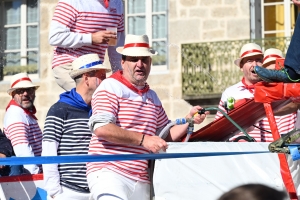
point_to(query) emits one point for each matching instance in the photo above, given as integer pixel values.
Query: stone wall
(190, 21)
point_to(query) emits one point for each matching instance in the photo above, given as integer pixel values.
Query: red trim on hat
(251, 51)
(271, 56)
(136, 45)
(21, 79)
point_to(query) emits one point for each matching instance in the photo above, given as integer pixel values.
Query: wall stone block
(185, 30)
(199, 12)
(224, 12)
(213, 35)
(238, 28)
(188, 3)
(210, 24)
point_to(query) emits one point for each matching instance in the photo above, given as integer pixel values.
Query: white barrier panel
(187, 178)
(24, 187)
(209, 177)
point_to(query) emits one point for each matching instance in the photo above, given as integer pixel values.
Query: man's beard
(28, 105)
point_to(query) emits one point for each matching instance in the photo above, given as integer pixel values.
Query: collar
(248, 87)
(119, 77)
(28, 112)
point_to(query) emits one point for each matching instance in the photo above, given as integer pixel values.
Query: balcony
(208, 68)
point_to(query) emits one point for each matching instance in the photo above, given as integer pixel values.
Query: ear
(122, 63)
(85, 78)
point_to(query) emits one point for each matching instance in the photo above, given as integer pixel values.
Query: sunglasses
(27, 90)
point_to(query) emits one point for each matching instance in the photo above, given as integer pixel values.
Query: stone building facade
(189, 21)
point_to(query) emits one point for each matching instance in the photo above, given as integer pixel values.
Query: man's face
(95, 78)
(136, 69)
(270, 65)
(24, 97)
(247, 67)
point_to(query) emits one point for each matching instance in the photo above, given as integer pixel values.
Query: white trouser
(108, 185)
(68, 194)
(62, 76)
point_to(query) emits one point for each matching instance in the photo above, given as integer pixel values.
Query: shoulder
(69, 4)
(14, 114)
(110, 85)
(58, 109)
(234, 87)
(231, 91)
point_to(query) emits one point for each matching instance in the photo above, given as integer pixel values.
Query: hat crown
(249, 49)
(136, 45)
(85, 61)
(17, 79)
(273, 51)
(136, 39)
(20, 80)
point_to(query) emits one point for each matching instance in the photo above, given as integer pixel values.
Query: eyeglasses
(258, 60)
(27, 90)
(144, 59)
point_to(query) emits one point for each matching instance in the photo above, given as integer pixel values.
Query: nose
(254, 63)
(139, 63)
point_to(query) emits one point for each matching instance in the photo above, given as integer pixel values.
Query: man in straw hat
(291, 71)
(20, 122)
(270, 57)
(80, 27)
(66, 130)
(251, 55)
(127, 115)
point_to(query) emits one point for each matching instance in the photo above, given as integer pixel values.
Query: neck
(247, 82)
(85, 94)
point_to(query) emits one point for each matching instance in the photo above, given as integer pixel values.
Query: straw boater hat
(20, 80)
(87, 63)
(250, 49)
(271, 55)
(136, 45)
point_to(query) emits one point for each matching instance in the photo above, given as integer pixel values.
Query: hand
(297, 3)
(194, 113)
(2, 156)
(154, 143)
(102, 37)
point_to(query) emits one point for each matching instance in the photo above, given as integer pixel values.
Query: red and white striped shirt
(24, 133)
(284, 123)
(73, 23)
(141, 113)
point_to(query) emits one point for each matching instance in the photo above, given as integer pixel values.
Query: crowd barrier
(194, 170)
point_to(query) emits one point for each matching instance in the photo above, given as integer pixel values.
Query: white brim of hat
(24, 85)
(140, 51)
(75, 73)
(238, 61)
(268, 60)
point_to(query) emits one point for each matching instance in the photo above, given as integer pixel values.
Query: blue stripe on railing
(104, 158)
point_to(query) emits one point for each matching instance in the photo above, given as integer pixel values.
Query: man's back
(67, 127)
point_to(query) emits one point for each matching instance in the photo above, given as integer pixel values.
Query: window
(150, 17)
(19, 39)
(278, 18)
